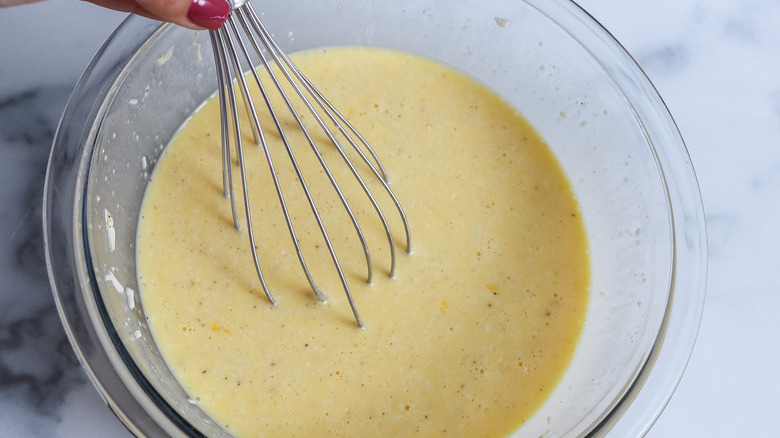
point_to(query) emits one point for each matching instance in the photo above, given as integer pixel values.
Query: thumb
(194, 14)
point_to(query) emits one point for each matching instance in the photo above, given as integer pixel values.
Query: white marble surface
(717, 65)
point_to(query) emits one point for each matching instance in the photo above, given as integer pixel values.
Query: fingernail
(210, 14)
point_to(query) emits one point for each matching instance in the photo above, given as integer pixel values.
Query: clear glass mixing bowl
(584, 94)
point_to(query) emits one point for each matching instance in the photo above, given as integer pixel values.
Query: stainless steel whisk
(231, 44)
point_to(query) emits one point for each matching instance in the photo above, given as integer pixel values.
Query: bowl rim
(636, 412)
(63, 234)
(66, 251)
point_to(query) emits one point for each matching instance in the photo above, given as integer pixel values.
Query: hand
(194, 14)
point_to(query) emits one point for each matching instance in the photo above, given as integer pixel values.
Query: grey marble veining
(44, 391)
(37, 365)
(38, 369)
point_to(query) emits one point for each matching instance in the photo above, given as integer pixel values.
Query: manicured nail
(210, 14)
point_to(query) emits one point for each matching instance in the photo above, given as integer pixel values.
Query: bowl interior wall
(513, 48)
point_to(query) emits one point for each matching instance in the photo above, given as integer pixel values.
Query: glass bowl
(583, 93)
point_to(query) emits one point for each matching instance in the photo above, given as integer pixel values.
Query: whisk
(243, 33)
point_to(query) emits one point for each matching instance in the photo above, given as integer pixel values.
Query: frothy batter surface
(469, 338)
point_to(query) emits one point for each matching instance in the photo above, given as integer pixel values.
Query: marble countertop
(717, 65)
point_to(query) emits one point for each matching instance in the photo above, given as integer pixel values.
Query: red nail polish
(210, 14)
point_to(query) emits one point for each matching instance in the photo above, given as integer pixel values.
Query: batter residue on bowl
(468, 340)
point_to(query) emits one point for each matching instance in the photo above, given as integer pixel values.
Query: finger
(194, 14)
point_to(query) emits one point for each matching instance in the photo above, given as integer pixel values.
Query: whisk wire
(309, 139)
(231, 75)
(232, 116)
(277, 185)
(288, 69)
(229, 50)
(298, 171)
(337, 119)
(227, 168)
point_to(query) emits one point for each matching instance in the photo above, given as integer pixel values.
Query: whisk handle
(235, 4)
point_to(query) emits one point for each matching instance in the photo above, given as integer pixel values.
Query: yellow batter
(468, 339)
